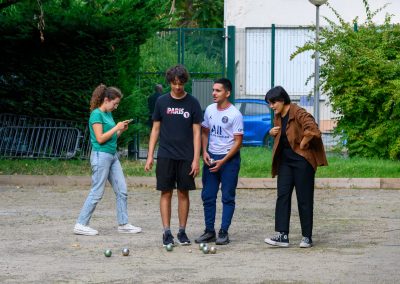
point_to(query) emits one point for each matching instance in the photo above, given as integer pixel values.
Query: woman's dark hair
(277, 93)
(178, 71)
(101, 92)
(224, 82)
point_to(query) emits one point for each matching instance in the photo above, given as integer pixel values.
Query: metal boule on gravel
(107, 252)
(169, 247)
(125, 251)
(213, 250)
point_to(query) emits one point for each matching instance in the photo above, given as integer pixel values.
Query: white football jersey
(223, 125)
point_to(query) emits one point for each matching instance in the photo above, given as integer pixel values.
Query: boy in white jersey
(221, 139)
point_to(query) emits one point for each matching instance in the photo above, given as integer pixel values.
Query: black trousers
(294, 172)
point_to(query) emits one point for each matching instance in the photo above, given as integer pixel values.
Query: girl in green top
(104, 133)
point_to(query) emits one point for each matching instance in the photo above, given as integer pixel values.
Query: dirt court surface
(356, 237)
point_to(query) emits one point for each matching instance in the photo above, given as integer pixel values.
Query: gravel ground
(356, 237)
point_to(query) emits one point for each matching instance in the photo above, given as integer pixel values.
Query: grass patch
(256, 163)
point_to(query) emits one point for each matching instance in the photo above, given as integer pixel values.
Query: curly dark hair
(178, 71)
(101, 92)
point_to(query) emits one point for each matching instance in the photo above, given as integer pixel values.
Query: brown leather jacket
(300, 124)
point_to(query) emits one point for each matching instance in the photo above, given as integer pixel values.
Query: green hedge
(85, 43)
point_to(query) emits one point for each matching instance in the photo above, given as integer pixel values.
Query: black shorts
(173, 174)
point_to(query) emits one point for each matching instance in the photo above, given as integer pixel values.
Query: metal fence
(263, 60)
(35, 137)
(262, 57)
(201, 50)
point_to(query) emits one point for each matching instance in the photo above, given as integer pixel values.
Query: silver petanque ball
(169, 247)
(206, 250)
(125, 251)
(202, 245)
(213, 250)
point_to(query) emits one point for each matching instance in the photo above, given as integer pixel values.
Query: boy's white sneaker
(129, 229)
(80, 229)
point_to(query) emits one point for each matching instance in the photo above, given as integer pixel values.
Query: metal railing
(35, 137)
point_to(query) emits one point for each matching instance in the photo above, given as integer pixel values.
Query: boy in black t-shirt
(177, 121)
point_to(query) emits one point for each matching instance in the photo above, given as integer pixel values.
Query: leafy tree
(197, 13)
(360, 73)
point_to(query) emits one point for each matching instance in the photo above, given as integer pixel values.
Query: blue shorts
(172, 174)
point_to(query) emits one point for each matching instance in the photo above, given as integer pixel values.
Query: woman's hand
(122, 125)
(304, 145)
(274, 131)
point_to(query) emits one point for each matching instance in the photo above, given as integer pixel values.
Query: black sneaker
(183, 239)
(306, 242)
(223, 238)
(207, 237)
(168, 238)
(280, 240)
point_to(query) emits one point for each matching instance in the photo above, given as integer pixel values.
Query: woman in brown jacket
(298, 151)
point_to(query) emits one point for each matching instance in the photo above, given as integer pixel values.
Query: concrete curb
(244, 183)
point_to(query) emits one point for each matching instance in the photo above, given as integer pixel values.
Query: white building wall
(264, 13)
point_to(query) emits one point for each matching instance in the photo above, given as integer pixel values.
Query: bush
(360, 73)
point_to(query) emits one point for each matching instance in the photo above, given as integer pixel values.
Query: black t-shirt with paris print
(177, 117)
